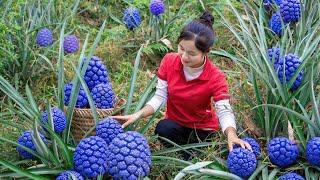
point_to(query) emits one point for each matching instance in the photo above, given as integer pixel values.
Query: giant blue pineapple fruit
(242, 162)
(131, 18)
(71, 44)
(44, 37)
(108, 129)
(282, 152)
(129, 156)
(275, 23)
(26, 140)
(103, 96)
(69, 175)
(313, 151)
(157, 7)
(253, 143)
(96, 73)
(286, 68)
(291, 176)
(90, 157)
(59, 119)
(82, 99)
(290, 10)
(274, 54)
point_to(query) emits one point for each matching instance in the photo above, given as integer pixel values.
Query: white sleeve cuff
(225, 114)
(155, 102)
(160, 95)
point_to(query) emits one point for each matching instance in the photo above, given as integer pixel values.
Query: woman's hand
(144, 112)
(233, 139)
(128, 118)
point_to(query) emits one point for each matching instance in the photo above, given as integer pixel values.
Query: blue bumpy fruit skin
(103, 96)
(275, 23)
(44, 37)
(291, 176)
(129, 156)
(287, 66)
(274, 54)
(69, 175)
(157, 7)
(108, 129)
(131, 18)
(90, 157)
(290, 10)
(254, 145)
(26, 140)
(59, 119)
(82, 99)
(282, 152)
(241, 162)
(71, 44)
(313, 151)
(96, 73)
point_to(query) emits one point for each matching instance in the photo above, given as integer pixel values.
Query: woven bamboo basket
(83, 121)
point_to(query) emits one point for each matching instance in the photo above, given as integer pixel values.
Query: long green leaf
(60, 67)
(133, 80)
(218, 173)
(21, 171)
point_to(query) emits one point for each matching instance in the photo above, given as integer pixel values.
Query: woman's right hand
(128, 118)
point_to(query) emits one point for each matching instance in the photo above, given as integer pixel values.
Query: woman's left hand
(233, 139)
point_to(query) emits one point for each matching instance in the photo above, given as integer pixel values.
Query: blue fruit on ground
(26, 140)
(157, 7)
(90, 157)
(241, 162)
(44, 37)
(71, 44)
(291, 176)
(103, 96)
(82, 99)
(58, 117)
(69, 175)
(282, 152)
(275, 23)
(96, 73)
(274, 54)
(129, 156)
(287, 67)
(254, 145)
(131, 18)
(108, 129)
(313, 151)
(290, 10)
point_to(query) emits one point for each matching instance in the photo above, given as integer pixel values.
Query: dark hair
(200, 31)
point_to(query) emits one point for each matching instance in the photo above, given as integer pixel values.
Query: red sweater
(189, 102)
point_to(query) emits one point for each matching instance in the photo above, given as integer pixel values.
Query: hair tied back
(207, 19)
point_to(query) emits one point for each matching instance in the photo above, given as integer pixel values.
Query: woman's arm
(151, 106)
(228, 124)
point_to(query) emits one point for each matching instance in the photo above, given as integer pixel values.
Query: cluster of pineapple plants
(281, 56)
(48, 141)
(278, 53)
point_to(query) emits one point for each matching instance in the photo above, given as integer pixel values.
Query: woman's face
(190, 55)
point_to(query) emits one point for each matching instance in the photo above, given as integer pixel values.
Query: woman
(187, 82)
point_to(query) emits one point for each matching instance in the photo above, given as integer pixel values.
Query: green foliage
(156, 48)
(273, 105)
(22, 61)
(255, 39)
